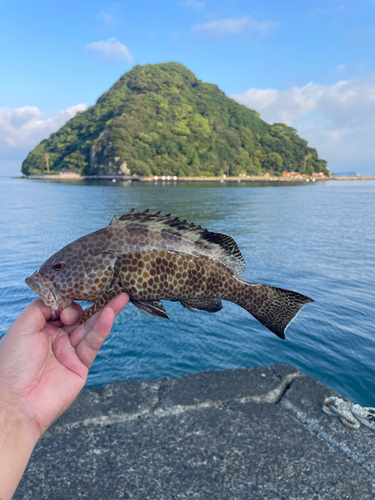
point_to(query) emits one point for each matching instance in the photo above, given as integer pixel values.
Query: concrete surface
(256, 433)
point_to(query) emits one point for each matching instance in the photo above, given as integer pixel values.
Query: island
(159, 120)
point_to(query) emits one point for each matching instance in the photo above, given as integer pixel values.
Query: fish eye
(57, 266)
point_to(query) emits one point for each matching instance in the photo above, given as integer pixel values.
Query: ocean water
(317, 239)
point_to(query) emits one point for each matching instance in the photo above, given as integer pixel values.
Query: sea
(314, 238)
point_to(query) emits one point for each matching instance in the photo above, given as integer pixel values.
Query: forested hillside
(160, 119)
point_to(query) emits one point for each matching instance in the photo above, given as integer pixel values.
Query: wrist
(15, 422)
(18, 437)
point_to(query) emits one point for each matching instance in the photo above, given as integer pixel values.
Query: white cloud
(245, 26)
(21, 129)
(323, 11)
(111, 50)
(280, 106)
(340, 67)
(109, 16)
(194, 5)
(337, 119)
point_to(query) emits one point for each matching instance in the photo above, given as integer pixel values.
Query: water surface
(317, 239)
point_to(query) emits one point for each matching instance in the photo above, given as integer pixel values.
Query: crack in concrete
(277, 373)
(271, 397)
(276, 394)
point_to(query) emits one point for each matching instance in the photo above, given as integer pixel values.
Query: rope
(350, 415)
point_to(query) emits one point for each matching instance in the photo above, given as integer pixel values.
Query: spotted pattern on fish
(152, 258)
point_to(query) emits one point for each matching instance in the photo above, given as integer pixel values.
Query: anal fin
(153, 307)
(208, 304)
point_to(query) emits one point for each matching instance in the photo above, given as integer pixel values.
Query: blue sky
(310, 64)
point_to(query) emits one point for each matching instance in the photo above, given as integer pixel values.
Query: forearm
(18, 438)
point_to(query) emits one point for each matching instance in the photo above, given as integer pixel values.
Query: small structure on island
(286, 173)
(71, 173)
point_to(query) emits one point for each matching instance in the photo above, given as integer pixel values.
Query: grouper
(155, 257)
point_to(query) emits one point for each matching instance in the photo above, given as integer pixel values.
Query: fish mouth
(45, 292)
(48, 294)
(43, 289)
(34, 286)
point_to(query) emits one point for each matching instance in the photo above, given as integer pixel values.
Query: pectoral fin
(101, 302)
(208, 304)
(153, 307)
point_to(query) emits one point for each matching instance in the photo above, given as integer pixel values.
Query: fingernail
(72, 314)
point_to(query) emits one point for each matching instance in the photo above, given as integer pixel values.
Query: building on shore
(72, 173)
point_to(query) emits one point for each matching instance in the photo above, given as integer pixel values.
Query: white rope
(350, 415)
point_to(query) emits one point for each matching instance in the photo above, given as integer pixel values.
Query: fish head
(76, 272)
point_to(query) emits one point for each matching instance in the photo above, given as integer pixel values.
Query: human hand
(44, 364)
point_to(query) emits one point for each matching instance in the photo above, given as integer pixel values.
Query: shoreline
(134, 178)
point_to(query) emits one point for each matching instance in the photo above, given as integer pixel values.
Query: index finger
(91, 342)
(77, 333)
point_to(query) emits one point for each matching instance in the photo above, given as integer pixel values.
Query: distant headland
(160, 120)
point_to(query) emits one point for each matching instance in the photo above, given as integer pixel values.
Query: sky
(308, 64)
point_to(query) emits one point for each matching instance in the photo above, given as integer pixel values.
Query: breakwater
(256, 433)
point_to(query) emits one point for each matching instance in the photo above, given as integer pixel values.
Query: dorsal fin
(222, 245)
(113, 221)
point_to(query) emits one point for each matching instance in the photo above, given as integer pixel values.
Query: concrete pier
(254, 434)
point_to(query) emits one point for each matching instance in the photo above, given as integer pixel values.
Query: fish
(155, 257)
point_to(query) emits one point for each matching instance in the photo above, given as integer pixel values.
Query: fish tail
(274, 307)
